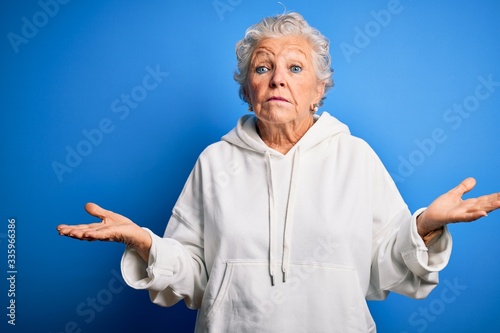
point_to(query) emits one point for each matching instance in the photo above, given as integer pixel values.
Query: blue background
(395, 90)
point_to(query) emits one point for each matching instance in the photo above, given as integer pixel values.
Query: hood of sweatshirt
(245, 136)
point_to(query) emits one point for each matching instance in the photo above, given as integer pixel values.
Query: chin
(277, 116)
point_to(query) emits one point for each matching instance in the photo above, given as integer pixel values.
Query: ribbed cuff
(419, 258)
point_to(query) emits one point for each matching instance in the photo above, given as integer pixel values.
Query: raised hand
(113, 228)
(450, 208)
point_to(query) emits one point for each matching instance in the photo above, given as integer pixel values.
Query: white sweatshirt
(264, 242)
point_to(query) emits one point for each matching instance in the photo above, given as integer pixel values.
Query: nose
(277, 79)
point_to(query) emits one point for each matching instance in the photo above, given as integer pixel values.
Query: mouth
(277, 98)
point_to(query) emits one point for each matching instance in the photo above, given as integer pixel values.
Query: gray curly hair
(287, 24)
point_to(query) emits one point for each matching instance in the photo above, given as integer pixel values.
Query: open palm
(113, 228)
(451, 208)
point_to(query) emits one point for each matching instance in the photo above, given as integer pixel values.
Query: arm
(175, 268)
(170, 270)
(401, 262)
(170, 267)
(409, 258)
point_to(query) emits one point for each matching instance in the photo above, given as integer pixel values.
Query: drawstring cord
(272, 225)
(287, 236)
(285, 264)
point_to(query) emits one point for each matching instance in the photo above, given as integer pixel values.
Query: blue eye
(296, 69)
(261, 70)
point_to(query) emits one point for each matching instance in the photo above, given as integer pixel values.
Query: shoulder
(354, 144)
(340, 135)
(216, 155)
(215, 149)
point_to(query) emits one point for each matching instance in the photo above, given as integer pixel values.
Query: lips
(277, 98)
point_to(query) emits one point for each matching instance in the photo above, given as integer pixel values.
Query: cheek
(311, 85)
(256, 87)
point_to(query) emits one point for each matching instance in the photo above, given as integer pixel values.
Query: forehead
(283, 45)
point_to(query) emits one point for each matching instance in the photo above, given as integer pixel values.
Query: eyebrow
(263, 51)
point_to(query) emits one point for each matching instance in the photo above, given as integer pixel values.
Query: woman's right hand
(113, 228)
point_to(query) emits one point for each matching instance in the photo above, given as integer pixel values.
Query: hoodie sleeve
(176, 267)
(401, 262)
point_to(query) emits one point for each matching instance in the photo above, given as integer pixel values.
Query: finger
(469, 217)
(465, 186)
(80, 237)
(96, 210)
(84, 233)
(65, 228)
(85, 238)
(73, 233)
(489, 202)
(494, 199)
(98, 234)
(102, 234)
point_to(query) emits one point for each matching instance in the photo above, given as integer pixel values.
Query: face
(282, 86)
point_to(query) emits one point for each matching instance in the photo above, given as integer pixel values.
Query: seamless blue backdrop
(112, 101)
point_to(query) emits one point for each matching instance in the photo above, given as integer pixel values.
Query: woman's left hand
(450, 208)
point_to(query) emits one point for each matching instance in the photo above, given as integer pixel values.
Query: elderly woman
(307, 223)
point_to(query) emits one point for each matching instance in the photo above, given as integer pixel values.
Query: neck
(282, 137)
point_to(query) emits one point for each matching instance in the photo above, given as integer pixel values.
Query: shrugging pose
(309, 224)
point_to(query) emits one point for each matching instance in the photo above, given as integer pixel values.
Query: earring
(315, 108)
(250, 108)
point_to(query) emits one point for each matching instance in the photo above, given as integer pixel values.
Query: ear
(247, 95)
